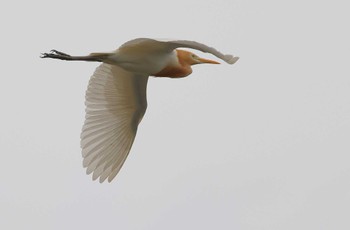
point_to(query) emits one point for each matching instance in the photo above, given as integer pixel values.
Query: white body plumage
(116, 95)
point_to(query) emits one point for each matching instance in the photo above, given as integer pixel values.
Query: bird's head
(188, 58)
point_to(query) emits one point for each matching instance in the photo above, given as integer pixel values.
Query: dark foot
(56, 55)
(59, 53)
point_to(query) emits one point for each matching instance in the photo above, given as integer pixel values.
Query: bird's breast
(174, 72)
(173, 68)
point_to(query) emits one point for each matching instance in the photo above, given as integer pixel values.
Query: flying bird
(116, 95)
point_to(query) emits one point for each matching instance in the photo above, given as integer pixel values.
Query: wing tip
(230, 59)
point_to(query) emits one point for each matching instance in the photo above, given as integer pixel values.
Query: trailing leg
(98, 57)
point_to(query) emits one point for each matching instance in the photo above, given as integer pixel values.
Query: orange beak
(203, 60)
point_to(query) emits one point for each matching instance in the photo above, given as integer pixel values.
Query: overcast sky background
(262, 144)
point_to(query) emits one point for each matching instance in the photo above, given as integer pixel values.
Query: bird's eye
(194, 56)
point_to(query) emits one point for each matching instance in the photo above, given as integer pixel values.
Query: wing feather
(166, 45)
(230, 59)
(115, 104)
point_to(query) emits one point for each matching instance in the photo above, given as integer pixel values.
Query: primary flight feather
(116, 95)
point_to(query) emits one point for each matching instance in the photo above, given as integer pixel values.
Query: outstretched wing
(230, 59)
(115, 104)
(169, 45)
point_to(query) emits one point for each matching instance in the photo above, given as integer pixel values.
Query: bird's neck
(176, 68)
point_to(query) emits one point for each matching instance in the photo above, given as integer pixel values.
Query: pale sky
(261, 144)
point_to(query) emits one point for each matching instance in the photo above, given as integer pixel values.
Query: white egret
(116, 95)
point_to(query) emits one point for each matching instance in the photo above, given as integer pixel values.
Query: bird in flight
(116, 95)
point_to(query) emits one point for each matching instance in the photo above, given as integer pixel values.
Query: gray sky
(262, 144)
